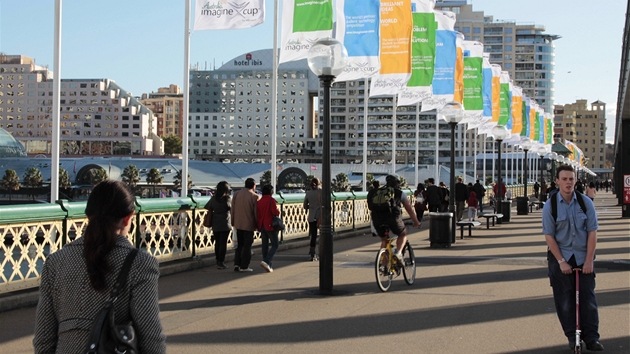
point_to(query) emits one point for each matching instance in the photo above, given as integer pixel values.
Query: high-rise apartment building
(167, 106)
(97, 116)
(585, 126)
(522, 49)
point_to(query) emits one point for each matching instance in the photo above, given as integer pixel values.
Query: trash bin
(506, 207)
(522, 204)
(441, 230)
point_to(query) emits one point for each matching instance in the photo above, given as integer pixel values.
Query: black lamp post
(526, 145)
(327, 59)
(499, 133)
(541, 151)
(453, 113)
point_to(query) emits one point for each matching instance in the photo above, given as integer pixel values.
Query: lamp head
(327, 56)
(452, 112)
(526, 144)
(499, 132)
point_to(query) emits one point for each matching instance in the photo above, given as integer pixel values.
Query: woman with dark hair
(266, 209)
(313, 203)
(420, 204)
(221, 205)
(76, 281)
(591, 191)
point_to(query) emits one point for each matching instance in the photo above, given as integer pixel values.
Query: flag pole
(417, 141)
(54, 156)
(394, 134)
(184, 170)
(274, 94)
(365, 133)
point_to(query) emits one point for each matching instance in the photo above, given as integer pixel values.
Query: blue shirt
(571, 227)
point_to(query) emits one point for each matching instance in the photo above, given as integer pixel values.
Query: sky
(140, 43)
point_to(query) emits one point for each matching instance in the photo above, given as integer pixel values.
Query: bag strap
(122, 276)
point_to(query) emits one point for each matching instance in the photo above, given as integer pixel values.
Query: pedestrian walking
(591, 191)
(480, 191)
(266, 209)
(434, 196)
(221, 206)
(461, 195)
(473, 202)
(571, 235)
(245, 222)
(420, 204)
(313, 203)
(446, 197)
(76, 281)
(536, 189)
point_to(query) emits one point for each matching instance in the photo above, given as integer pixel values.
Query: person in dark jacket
(420, 204)
(434, 196)
(480, 191)
(221, 206)
(446, 197)
(461, 196)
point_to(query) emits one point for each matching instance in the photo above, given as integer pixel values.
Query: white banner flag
(232, 14)
(303, 23)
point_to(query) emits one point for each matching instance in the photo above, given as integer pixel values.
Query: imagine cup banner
(228, 14)
(303, 23)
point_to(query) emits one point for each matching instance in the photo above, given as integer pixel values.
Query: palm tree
(265, 178)
(177, 181)
(64, 179)
(154, 177)
(10, 181)
(33, 179)
(131, 175)
(97, 175)
(340, 183)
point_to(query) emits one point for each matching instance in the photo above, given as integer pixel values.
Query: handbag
(207, 219)
(276, 223)
(106, 336)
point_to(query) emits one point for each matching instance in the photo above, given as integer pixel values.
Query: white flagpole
(437, 148)
(483, 182)
(475, 153)
(274, 101)
(417, 141)
(394, 135)
(54, 156)
(365, 132)
(184, 170)
(464, 148)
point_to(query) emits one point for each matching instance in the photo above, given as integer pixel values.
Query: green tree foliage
(10, 181)
(64, 179)
(172, 145)
(488, 180)
(131, 175)
(97, 175)
(265, 178)
(340, 183)
(369, 178)
(403, 182)
(177, 181)
(154, 177)
(33, 179)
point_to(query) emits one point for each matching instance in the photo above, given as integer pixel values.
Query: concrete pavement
(486, 294)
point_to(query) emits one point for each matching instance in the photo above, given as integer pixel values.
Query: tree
(97, 175)
(177, 181)
(131, 175)
(265, 178)
(33, 179)
(340, 183)
(403, 182)
(64, 179)
(488, 180)
(369, 178)
(172, 145)
(154, 177)
(10, 181)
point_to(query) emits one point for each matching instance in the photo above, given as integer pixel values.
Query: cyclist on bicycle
(388, 220)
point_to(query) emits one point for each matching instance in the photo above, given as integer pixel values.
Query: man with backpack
(386, 209)
(570, 228)
(480, 191)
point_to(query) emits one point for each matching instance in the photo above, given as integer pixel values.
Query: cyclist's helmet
(392, 180)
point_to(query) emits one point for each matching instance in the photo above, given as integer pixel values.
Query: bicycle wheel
(409, 270)
(381, 265)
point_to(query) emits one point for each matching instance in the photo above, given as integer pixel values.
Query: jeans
(312, 230)
(220, 245)
(267, 252)
(460, 209)
(564, 297)
(243, 253)
(481, 205)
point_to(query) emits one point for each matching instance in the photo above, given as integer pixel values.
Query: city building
(522, 49)
(585, 126)
(97, 116)
(167, 106)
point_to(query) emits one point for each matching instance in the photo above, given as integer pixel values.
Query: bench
(489, 216)
(538, 205)
(468, 223)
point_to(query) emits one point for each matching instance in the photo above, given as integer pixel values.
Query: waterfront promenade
(486, 294)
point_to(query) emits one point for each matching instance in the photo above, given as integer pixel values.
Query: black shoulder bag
(106, 336)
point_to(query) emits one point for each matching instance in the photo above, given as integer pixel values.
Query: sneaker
(594, 346)
(399, 258)
(246, 270)
(266, 266)
(221, 265)
(237, 268)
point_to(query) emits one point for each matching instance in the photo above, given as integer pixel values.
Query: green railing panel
(156, 205)
(10, 214)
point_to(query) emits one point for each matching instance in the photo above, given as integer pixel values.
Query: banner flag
(486, 128)
(422, 54)
(486, 91)
(443, 83)
(459, 70)
(525, 115)
(357, 28)
(549, 122)
(517, 110)
(532, 120)
(496, 92)
(473, 81)
(303, 23)
(396, 25)
(505, 111)
(225, 15)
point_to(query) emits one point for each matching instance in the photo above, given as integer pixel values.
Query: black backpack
(554, 203)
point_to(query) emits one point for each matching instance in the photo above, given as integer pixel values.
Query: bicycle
(387, 265)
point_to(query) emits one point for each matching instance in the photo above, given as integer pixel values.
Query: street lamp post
(541, 151)
(327, 59)
(453, 113)
(499, 133)
(526, 145)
